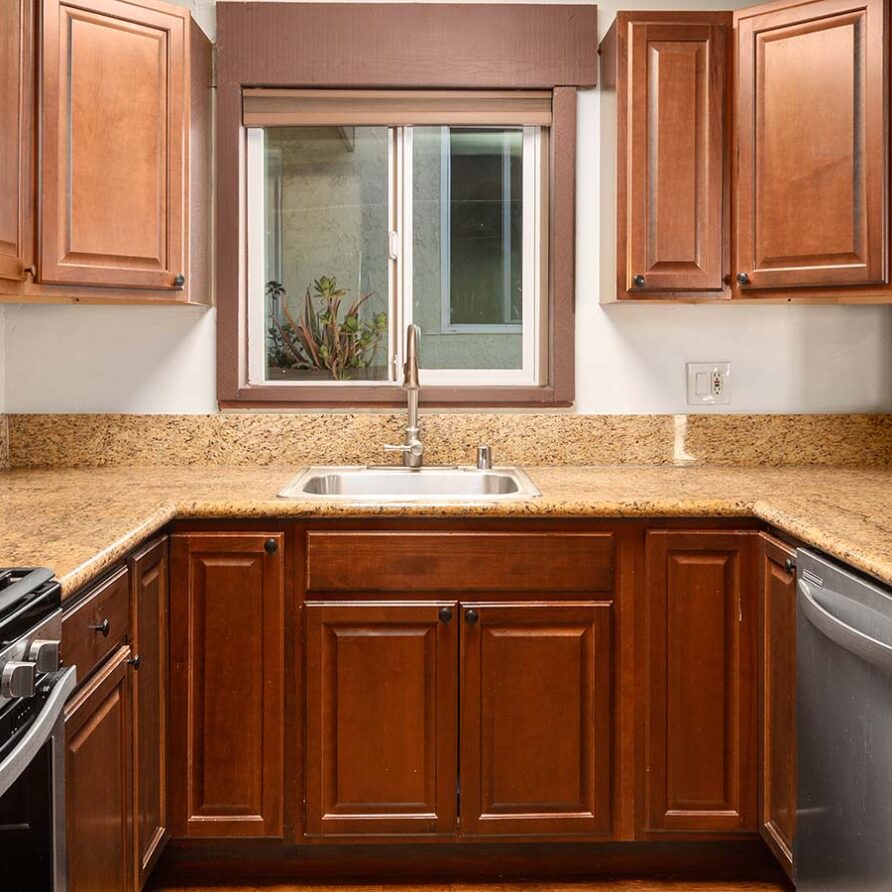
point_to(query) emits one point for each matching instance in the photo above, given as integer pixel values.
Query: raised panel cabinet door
(812, 129)
(114, 143)
(98, 779)
(535, 719)
(381, 718)
(700, 735)
(676, 108)
(227, 646)
(16, 86)
(149, 630)
(777, 700)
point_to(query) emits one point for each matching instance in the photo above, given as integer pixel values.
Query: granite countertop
(80, 521)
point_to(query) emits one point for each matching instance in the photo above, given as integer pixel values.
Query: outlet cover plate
(709, 383)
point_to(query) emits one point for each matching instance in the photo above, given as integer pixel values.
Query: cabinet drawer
(97, 625)
(424, 562)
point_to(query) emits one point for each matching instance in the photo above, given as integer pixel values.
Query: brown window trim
(564, 37)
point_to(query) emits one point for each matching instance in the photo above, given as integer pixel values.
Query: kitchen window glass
(355, 231)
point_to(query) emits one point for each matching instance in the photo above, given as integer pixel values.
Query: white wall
(2, 359)
(630, 359)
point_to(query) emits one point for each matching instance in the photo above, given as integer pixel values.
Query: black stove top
(27, 595)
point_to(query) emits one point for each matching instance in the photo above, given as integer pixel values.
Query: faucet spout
(411, 448)
(410, 367)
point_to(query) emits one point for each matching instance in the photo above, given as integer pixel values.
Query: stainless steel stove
(33, 692)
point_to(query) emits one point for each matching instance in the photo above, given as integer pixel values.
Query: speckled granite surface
(4, 442)
(79, 521)
(260, 439)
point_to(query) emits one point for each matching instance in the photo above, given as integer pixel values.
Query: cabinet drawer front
(85, 641)
(424, 562)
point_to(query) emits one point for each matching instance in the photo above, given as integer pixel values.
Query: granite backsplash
(450, 438)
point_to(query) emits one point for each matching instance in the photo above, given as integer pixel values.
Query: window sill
(388, 396)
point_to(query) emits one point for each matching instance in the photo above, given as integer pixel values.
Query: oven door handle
(837, 630)
(40, 731)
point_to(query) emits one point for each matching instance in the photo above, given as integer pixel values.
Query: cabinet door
(381, 718)
(777, 701)
(98, 724)
(227, 643)
(700, 715)
(535, 719)
(812, 175)
(16, 82)
(115, 115)
(675, 113)
(149, 618)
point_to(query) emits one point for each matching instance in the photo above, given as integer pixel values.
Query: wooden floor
(601, 886)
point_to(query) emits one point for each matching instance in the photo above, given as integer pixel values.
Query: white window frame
(400, 278)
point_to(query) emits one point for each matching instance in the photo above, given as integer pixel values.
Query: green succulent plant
(322, 338)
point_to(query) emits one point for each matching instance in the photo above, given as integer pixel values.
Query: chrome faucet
(412, 448)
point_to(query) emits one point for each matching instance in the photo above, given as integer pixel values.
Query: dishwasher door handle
(846, 636)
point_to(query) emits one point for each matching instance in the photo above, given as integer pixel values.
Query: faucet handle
(484, 457)
(414, 449)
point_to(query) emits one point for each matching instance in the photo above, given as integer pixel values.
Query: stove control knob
(45, 654)
(17, 680)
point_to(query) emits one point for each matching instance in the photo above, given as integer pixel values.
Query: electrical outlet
(709, 383)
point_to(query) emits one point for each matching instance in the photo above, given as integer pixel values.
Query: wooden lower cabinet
(535, 719)
(149, 631)
(381, 718)
(700, 647)
(227, 634)
(99, 781)
(777, 700)
(384, 680)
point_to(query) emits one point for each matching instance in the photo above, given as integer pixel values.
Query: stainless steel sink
(399, 484)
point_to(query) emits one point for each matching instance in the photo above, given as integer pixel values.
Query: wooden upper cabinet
(535, 719)
(16, 137)
(149, 623)
(114, 143)
(700, 712)
(811, 186)
(672, 160)
(381, 718)
(777, 700)
(227, 690)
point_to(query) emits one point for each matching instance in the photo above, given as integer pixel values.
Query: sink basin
(399, 484)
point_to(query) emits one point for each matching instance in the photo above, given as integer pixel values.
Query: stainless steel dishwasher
(843, 837)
